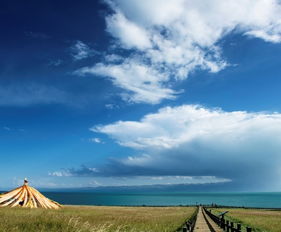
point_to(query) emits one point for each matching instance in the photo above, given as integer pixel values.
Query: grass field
(261, 220)
(94, 219)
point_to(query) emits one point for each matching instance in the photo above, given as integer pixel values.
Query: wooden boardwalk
(204, 223)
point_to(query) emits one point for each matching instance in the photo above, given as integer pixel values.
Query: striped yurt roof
(28, 197)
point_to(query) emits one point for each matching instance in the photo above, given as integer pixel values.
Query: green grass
(258, 219)
(94, 219)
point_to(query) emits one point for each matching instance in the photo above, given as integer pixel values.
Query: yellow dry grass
(261, 220)
(94, 219)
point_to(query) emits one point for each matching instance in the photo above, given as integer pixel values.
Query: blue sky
(121, 92)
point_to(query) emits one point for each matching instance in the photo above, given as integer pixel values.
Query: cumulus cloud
(130, 33)
(191, 140)
(168, 40)
(141, 82)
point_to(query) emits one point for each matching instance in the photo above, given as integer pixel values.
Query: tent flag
(28, 197)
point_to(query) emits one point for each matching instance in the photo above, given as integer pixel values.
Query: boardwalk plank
(201, 224)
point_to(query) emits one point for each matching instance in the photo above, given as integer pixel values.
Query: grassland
(94, 219)
(260, 220)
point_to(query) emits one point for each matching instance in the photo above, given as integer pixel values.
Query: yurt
(28, 197)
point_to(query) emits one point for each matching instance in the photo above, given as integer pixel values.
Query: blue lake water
(263, 200)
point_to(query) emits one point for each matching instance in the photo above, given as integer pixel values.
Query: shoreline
(167, 206)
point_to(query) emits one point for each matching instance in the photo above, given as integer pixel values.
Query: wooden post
(231, 226)
(222, 222)
(187, 226)
(248, 229)
(227, 226)
(238, 227)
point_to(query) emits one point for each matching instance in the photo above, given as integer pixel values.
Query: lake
(263, 200)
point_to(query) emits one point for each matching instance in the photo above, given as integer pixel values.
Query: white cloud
(113, 58)
(60, 173)
(171, 39)
(94, 183)
(193, 140)
(111, 106)
(171, 127)
(80, 50)
(267, 36)
(131, 34)
(95, 140)
(187, 179)
(143, 180)
(141, 82)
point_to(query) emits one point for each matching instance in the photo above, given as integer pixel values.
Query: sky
(130, 93)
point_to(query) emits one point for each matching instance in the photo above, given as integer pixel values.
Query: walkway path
(202, 222)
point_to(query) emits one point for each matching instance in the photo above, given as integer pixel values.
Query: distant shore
(161, 199)
(163, 206)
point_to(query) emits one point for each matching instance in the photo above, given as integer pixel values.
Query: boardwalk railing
(190, 223)
(226, 225)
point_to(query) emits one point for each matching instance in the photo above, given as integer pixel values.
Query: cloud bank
(191, 140)
(160, 42)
